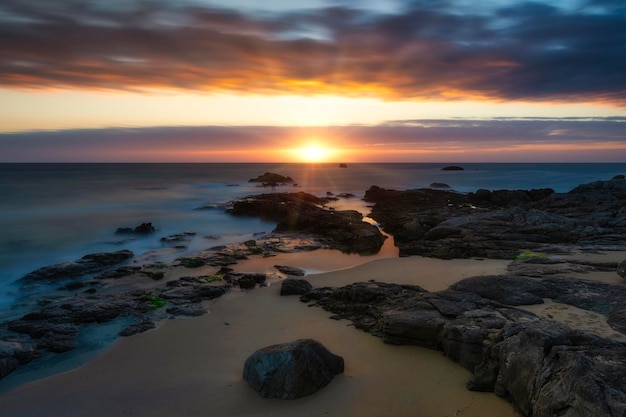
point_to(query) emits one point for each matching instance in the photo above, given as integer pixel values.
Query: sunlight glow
(314, 152)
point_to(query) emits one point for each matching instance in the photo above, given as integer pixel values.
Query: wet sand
(193, 367)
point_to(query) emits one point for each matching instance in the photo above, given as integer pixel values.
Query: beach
(193, 367)
(190, 363)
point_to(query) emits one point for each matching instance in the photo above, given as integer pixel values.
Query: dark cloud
(430, 50)
(496, 140)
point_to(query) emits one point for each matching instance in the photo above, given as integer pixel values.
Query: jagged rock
(291, 370)
(502, 223)
(55, 326)
(302, 212)
(91, 263)
(290, 270)
(295, 286)
(545, 368)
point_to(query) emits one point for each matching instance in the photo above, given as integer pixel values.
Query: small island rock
(271, 178)
(453, 168)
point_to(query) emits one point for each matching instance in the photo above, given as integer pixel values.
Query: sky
(312, 80)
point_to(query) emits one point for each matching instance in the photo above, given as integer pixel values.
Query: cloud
(439, 49)
(493, 140)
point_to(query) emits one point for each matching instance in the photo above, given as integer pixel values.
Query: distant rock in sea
(439, 185)
(142, 229)
(342, 165)
(453, 168)
(271, 178)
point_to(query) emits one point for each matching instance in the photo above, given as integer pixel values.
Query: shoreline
(139, 375)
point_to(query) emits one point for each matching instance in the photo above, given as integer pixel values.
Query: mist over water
(51, 213)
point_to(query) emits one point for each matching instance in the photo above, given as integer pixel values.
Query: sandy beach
(193, 367)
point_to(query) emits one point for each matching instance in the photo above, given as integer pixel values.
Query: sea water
(52, 213)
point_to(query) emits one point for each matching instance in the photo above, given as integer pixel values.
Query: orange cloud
(524, 51)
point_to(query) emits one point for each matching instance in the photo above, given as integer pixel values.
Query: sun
(314, 152)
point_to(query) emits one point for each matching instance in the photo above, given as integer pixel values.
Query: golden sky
(101, 69)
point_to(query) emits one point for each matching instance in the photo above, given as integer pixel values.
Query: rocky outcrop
(305, 213)
(500, 224)
(88, 264)
(55, 327)
(291, 370)
(271, 178)
(544, 367)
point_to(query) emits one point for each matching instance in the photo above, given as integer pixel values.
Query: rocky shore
(499, 224)
(543, 366)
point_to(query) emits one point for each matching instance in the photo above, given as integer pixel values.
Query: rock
(542, 366)
(142, 229)
(295, 286)
(439, 185)
(249, 281)
(301, 212)
(502, 223)
(621, 269)
(136, 328)
(95, 262)
(271, 178)
(290, 270)
(291, 370)
(619, 177)
(178, 237)
(14, 353)
(453, 168)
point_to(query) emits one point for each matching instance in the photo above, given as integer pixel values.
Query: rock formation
(301, 212)
(544, 367)
(500, 224)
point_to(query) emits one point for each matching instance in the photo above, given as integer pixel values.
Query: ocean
(51, 213)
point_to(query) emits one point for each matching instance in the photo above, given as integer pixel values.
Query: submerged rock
(291, 370)
(142, 229)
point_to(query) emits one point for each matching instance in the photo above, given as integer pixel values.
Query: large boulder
(291, 370)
